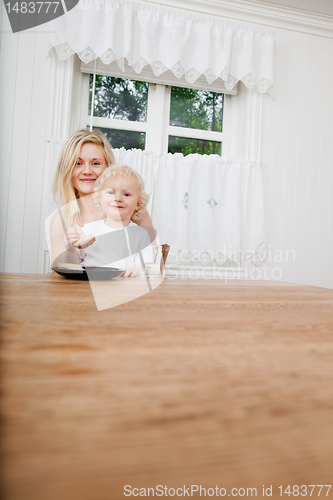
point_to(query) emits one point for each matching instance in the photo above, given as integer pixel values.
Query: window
(160, 118)
(192, 112)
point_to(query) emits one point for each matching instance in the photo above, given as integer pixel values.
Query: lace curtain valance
(190, 45)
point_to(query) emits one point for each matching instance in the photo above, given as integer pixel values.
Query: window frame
(157, 128)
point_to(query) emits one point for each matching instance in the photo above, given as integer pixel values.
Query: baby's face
(120, 197)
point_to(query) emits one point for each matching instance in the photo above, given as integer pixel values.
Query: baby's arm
(146, 223)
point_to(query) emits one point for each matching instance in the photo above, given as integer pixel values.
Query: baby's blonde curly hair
(114, 171)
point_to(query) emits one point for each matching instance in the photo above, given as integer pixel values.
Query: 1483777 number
(305, 490)
(32, 7)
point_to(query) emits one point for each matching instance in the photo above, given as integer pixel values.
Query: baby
(119, 194)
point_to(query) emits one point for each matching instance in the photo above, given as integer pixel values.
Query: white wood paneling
(329, 260)
(9, 49)
(37, 140)
(24, 89)
(324, 221)
(19, 154)
(275, 155)
(315, 165)
(297, 158)
(290, 145)
(302, 137)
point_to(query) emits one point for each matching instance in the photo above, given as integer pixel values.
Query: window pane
(188, 146)
(119, 98)
(197, 109)
(124, 138)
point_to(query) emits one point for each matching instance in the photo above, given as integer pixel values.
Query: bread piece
(68, 265)
(85, 239)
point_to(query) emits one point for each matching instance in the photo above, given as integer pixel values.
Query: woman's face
(89, 166)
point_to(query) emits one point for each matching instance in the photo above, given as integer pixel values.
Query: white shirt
(114, 247)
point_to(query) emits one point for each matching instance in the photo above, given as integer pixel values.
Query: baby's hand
(129, 273)
(73, 235)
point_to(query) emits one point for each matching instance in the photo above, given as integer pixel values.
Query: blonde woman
(83, 159)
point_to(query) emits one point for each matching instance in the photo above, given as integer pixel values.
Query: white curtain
(206, 207)
(188, 44)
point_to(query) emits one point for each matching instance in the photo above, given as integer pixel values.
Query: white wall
(24, 84)
(297, 155)
(296, 142)
(36, 100)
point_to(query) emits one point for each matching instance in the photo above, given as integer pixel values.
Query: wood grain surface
(199, 382)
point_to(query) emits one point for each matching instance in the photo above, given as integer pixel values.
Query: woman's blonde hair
(64, 193)
(113, 171)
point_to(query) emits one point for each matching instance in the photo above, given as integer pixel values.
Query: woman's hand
(60, 250)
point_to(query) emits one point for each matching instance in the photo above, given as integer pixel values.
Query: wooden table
(199, 382)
